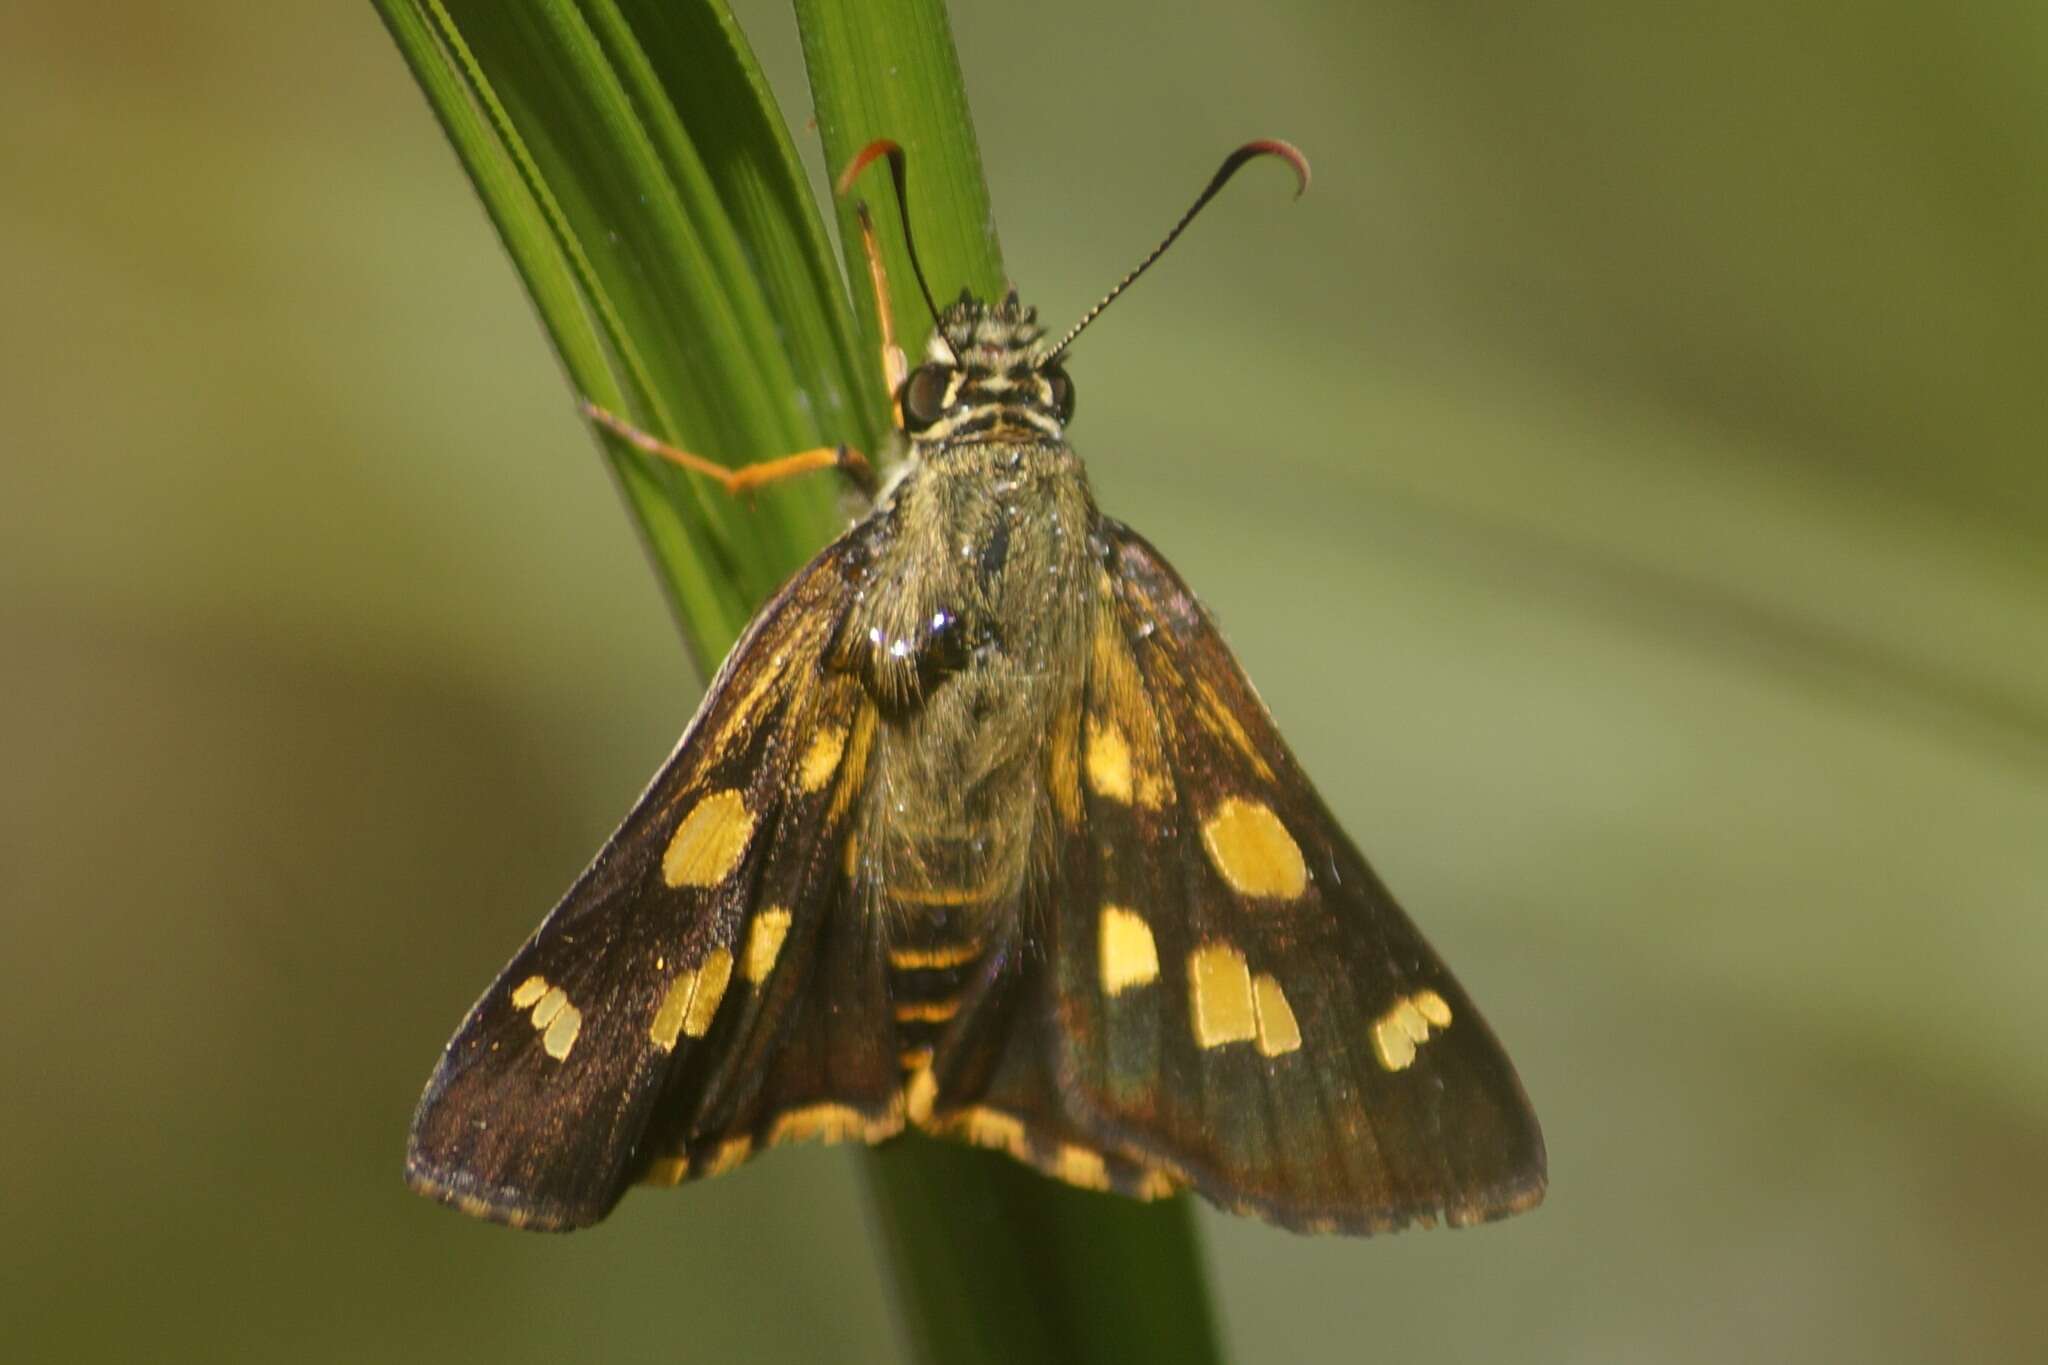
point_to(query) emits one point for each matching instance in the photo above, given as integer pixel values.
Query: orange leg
(894, 368)
(747, 477)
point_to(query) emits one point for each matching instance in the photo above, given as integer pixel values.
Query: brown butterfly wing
(657, 1018)
(1241, 1003)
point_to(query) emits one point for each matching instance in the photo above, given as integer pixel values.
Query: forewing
(1244, 1006)
(671, 958)
(807, 1055)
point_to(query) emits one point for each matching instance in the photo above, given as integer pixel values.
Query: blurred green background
(1623, 474)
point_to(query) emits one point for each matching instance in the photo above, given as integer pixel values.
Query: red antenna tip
(1286, 151)
(881, 147)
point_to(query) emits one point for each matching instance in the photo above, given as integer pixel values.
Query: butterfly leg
(894, 368)
(747, 477)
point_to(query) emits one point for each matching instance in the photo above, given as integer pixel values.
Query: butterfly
(981, 830)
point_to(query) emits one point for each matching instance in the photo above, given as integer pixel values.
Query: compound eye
(1062, 394)
(924, 396)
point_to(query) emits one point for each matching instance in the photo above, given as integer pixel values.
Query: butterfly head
(988, 376)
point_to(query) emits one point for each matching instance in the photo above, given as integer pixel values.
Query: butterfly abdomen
(946, 873)
(932, 963)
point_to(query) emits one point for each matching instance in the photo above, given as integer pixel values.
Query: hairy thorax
(973, 623)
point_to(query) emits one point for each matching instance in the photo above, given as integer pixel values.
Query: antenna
(1263, 147)
(883, 146)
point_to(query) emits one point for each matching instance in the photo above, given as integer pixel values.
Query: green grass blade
(994, 1263)
(888, 69)
(767, 193)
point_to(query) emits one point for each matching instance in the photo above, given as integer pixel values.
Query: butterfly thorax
(980, 600)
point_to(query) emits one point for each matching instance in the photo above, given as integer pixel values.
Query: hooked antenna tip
(1286, 151)
(1271, 146)
(866, 157)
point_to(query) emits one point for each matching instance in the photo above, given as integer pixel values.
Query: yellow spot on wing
(1129, 956)
(764, 943)
(1078, 1166)
(1432, 1007)
(1064, 776)
(728, 1154)
(691, 1001)
(1222, 722)
(1109, 761)
(562, 1031)
(667, 1170)
(711, 981)
(1395, 1048)
(920, 1093)
(854, 767)
(1220, 996)
(710, 841)
(1117, 697)
(668, 1018)
(822, 1122)
(1253, 850)
(1278, 1032)
(743, 710)
(1397, 1033)
(1155, 1185)
(821, 760)
(1112, 672)
(554, 1018)
(985, 1127)
(550, 1005)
